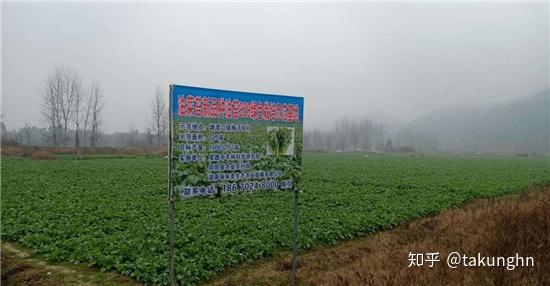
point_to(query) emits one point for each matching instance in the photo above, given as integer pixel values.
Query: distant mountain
(519, 126)
(390, 121)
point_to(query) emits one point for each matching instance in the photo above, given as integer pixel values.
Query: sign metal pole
(294, 236)
(171, 211)
(295, 232)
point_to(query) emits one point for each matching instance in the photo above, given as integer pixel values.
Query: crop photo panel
(281, 141)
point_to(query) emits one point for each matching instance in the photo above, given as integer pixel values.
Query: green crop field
(111, 213)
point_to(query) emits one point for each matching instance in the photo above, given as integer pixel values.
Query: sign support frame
(294, 236)
(171, 207)
(172, 197)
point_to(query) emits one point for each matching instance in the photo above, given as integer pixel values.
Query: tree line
(72, 115)
(350, 135)
(347, 135)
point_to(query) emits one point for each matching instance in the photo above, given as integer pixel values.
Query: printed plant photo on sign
(281, 141)
(227, 142)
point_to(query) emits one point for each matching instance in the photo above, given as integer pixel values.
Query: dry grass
(12, 151)
(493, 227)
(133, 151)
(41, 155)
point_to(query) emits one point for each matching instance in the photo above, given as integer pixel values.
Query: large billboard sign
(224, 143)
(228, 142)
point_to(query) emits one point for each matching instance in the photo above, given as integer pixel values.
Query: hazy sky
(345, 59)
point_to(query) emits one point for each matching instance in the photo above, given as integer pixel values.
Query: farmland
(112, 213)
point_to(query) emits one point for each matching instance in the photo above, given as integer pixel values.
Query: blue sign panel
(229, 142)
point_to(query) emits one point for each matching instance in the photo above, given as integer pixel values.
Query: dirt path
(21, 268)
(493, 227)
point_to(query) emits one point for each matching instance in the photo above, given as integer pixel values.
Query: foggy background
(433, 76)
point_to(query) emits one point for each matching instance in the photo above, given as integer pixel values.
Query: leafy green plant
(279, 140)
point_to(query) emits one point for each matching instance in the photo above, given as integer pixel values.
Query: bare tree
(77, 113)
(379, 137)
(149, 137)
(26, 134)
(365, 127)
(159, 120)
(94, 113)
(354, 135)
(3, 128)
(95, 88)
(72, 85)
(62, 89)
(341, 131)
(50, 105)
